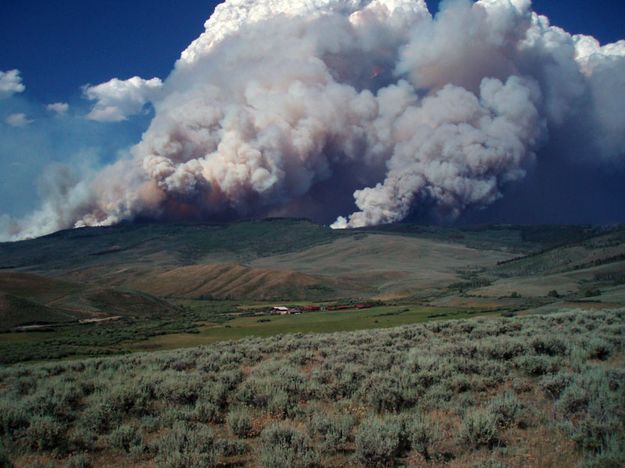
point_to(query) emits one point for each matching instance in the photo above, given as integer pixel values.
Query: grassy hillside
(601, 249)
(180, 244)
(28, 299)
(573, 269)
(510, 238)
(234, 281)
(534, 391)
(19, 311)
(386, 266)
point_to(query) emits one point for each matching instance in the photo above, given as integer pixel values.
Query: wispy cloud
(10, 83)
(59, 108)
(18, 120)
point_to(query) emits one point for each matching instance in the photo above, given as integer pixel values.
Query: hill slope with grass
(143, 269)
(34, 300)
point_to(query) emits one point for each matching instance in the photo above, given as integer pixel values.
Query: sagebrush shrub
(99, 417)
(207, 412)
(537, 365)
(44, 433)
(335, 431)
(81, 437)
(598, 348)
(54, 399)
(611, 454)
(591, 434)
(422, 434)
(255, 392)
(348, 381)
(573, 399)
(180, 391)
(13, 417)
(240, 422)
(231, 448)
(553, 385)
(478, 429)
(188, 445)
(150, 423)
(378, 440)
(5, 461)
(507, 408)
(187, 460)
(283, 405)
(382, 392)
(283, 445)
(40, 464)
(78, 461)
(490, 463)
(550, 345)
(125, 437)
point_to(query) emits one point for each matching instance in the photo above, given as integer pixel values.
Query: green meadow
(307, 322)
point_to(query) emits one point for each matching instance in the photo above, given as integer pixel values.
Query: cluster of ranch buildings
(283, 310)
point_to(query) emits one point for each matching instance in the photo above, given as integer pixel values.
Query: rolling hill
(143, 270)
(33, 300)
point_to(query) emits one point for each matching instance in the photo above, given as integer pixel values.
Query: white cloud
(10, 83)
(58, 107)
(18, 120)
(117, 99)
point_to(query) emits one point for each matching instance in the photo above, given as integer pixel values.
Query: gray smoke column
(280, 99)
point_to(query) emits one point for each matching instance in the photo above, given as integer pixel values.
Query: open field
(206, 322)
(541, 390)
(310, 322)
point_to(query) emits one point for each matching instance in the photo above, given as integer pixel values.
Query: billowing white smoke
(280, 99)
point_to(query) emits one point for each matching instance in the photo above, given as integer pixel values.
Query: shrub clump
(125, 437)
(283, 445)
(207, 412)
(240, 422)
(611, 455)
(378, 440)
(5, 461)
(13, 418)
(554, 385)
(507, 408)
(598, 348)
(573, 399)
(536, 365)
(44, 433)
(423, 434)
(188, 445)
(479, 429)
(335, 430)
(549, 345)
(78, 461)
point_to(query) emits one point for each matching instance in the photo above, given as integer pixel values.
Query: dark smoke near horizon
(360, 112)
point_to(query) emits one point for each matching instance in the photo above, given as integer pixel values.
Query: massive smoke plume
(291, 107)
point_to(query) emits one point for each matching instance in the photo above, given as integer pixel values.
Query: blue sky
(60, 46)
